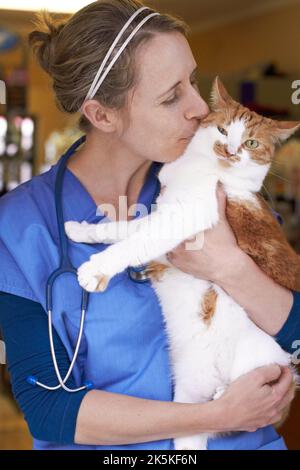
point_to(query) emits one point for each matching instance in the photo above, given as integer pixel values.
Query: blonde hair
(71, 51)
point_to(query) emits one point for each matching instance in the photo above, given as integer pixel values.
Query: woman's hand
(251, 402)
(219, 251)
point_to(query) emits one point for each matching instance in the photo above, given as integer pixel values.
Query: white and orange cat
(210, 335)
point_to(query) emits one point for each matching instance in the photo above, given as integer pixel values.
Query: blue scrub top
(124, 347)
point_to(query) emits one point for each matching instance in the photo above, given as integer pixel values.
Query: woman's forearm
(267, 303)
(107, 418)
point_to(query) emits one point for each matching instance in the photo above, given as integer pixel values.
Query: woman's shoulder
(29, 191)
(30, 204)
(25, 222)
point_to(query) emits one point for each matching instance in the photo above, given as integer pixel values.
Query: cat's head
(240, 136)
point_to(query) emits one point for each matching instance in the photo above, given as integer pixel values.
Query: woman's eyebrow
(194, 72)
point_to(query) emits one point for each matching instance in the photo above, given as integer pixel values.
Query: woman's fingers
(267, 374)
(282, 387)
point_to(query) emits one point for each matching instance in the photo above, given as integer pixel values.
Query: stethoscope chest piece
(138, 274)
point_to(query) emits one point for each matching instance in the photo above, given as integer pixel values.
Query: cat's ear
(219, 95)
(284, 129)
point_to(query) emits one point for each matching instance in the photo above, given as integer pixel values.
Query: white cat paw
(77, 231)
(91, 278)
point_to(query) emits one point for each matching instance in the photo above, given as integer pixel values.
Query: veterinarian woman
(142, 115)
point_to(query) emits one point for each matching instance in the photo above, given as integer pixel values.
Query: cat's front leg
(107, 233)
(158, 233)
(104, 232)
(138, 249)
(94, 275)
(81, 232)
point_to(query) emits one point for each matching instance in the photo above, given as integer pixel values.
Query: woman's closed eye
(171, 100)
(175, 98)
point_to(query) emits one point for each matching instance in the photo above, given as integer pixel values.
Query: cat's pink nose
(230, 150)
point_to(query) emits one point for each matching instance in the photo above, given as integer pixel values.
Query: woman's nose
(198, 107)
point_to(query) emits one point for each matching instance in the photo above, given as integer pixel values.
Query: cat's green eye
(252, 143)
(222, 130)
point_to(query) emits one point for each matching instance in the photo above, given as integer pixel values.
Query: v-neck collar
(79, 205)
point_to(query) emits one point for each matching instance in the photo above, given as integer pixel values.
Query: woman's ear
(101, 117)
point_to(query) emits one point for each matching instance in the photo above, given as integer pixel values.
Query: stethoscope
(136, 274)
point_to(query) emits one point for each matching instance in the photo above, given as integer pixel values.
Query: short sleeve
(11, 280)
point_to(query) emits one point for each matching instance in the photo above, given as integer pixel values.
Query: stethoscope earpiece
(32, 380)
(89, 385)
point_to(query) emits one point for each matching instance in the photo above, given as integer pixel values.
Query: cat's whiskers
(271, 198)
(279, 176)
(274, 162)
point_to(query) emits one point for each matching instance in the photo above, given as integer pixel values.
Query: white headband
(98, 80)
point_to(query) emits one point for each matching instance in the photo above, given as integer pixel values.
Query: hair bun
(43, 38)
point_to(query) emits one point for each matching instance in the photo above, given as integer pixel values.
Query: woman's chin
(175, 152)
(182, 145)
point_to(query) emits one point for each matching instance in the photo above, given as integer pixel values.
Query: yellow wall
(274, 36)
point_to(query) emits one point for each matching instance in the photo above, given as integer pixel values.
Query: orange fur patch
(208, 305)
(156, 270)
(260, 236)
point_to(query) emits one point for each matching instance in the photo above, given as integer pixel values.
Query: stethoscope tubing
(136, 274)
